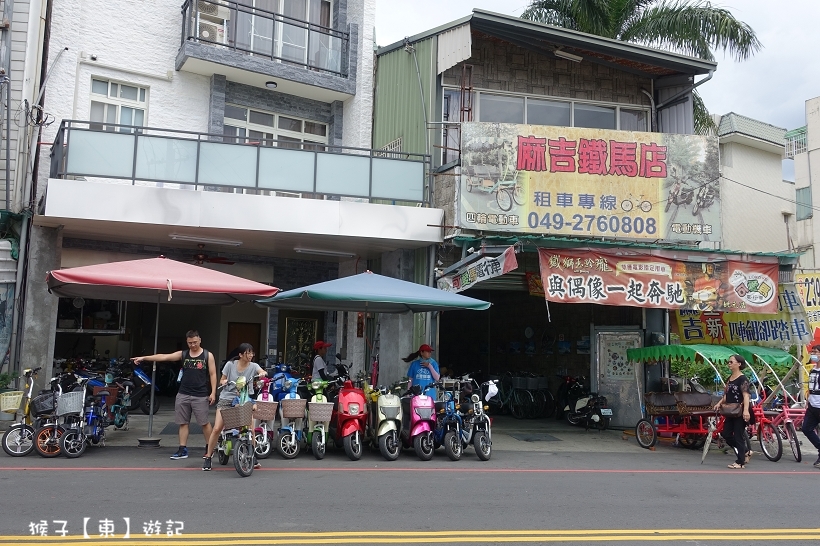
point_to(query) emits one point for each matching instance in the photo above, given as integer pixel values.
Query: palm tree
(691, 27)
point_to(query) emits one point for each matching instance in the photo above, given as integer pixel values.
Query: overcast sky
(772, 86)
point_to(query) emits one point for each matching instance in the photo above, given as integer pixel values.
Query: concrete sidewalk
(508, 434)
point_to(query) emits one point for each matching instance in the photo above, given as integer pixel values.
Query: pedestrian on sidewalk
(197, 388)
(734, 427)
(423, 369)
(812, 417)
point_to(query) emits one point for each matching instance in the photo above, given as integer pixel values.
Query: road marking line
(417, 469)
(397, 537)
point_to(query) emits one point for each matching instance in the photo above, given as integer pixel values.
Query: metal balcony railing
(259, 32)
(796, 142)
(203, 161)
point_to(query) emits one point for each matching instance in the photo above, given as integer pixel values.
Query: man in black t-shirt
(195, 392)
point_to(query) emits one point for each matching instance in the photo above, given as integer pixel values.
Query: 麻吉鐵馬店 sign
(588, 182)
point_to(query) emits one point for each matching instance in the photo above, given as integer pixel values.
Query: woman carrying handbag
(735, 408)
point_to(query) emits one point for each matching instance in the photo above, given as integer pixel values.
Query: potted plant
(6, 380)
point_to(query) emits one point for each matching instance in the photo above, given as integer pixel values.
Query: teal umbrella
(373, 293)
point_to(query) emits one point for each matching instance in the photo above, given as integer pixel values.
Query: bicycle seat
(127, 384)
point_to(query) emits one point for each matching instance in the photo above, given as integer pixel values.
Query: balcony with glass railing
(146, 156)
(246, 37)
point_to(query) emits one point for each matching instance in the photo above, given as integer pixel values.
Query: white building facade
(231, 134)
(803, 145)
(758, 211)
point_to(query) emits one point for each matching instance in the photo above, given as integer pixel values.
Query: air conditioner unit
(213, 10)
(212, 32)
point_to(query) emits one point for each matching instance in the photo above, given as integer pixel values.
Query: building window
(249, 126)
(804, 208)
(117, 103)
(548, 112)
(634, 120)
(502, 109)
(594, 117)
(539, 110)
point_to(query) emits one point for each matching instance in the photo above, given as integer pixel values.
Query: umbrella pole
(151, 441)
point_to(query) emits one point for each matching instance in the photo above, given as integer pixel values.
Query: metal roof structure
(545, 39)
(535, 241)
(732, 123)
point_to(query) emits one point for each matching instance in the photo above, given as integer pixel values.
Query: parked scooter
(320, 412)
(384, 421)
(418, 422)
(449, 424)
(704, 199)
(292, 416)
(569, 392)
(90, 429)
(349, 416)
(265, 419)
(680, 194)
(592, 410)
(476, 420)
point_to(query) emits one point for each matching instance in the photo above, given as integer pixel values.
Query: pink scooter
(418, 422)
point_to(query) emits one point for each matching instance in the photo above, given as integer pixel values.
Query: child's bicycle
(237, 433)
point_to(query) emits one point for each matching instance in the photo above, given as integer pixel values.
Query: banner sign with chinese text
(588, 182)
(789, 326)
(808, 290)
(481, 270)
(626, 277)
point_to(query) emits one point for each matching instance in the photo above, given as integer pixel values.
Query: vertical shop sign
(481, 270)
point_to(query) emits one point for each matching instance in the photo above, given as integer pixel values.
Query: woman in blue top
(423, 369)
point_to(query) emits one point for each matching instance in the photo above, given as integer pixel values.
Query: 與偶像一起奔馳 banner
(589, 182)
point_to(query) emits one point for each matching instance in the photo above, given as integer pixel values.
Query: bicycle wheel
(504, 199)
(516, 407)
(518, 194)
(540, 403)
(243, 458)
(47, 440)
(794, 443)
(645, 434)
(708, 441)
(549, 410)
(18, 441)
(73, 443)
(770, 442)
(222, 451)
(264, 446)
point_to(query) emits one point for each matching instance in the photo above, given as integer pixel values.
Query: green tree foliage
(690, 27)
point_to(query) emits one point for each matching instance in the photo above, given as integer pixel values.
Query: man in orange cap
(320, 370)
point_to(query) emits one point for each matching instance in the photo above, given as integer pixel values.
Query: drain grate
(173, 428)
(535, 437)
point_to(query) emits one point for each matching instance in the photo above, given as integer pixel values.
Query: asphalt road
(660, 497)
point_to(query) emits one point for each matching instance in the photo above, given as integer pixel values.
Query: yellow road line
(435, 537)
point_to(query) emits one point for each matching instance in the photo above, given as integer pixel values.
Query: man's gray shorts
(186, 404)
